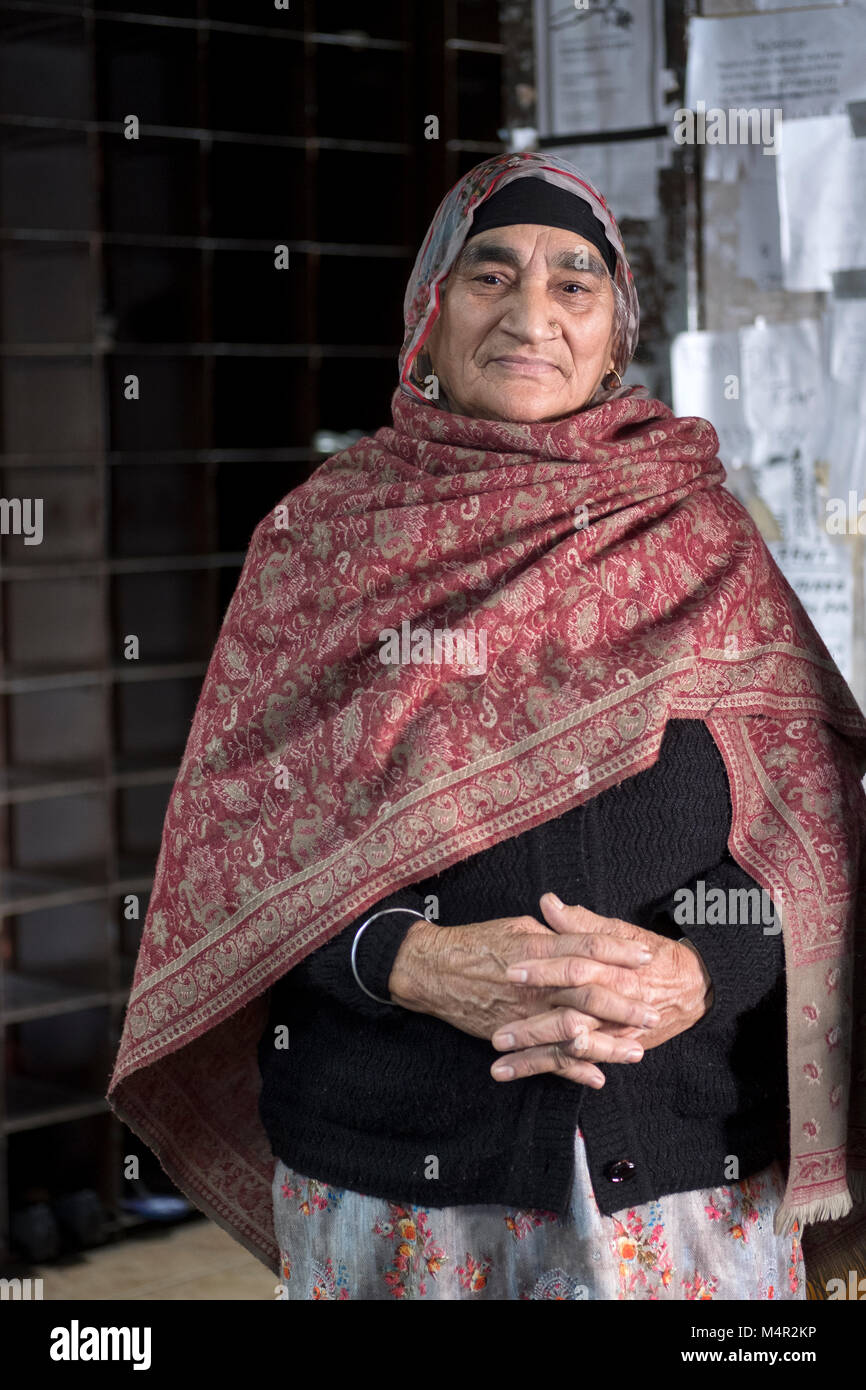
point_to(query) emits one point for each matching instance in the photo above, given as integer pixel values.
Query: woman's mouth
(525, 366)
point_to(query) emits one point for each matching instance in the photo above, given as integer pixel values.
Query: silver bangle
(384, 913)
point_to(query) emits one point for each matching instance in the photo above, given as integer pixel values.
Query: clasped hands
(584, 989)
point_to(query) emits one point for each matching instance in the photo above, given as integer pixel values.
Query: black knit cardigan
(366, 1094)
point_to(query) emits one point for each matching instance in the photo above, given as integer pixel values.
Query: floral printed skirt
(713, 1244)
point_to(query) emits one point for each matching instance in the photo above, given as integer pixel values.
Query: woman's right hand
(458, 974)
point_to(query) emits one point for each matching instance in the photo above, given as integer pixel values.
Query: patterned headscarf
(449, 230)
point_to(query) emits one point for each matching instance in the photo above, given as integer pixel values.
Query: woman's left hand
(675, 983)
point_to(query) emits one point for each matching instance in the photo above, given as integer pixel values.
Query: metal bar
(475, 46)
(694, 248)
(476, 146)
(67, 680)
(193, 243)
(135, 459)
(180, 349)
(358, 40)
(604, 137)
(143, 564)
(83, 786)
(62, 1114)
(225, 137)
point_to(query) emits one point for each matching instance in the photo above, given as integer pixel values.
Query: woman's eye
(487, 276)
(574, 286)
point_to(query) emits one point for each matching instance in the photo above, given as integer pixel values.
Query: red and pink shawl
(618, 585)
(615, 584)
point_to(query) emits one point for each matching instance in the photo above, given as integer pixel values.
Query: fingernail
(503, 1040)
(596, 1082)
(503, 1071)
(645, 957)
(512, 973)
(650, 1019)
(634, 1054)
(555, 900)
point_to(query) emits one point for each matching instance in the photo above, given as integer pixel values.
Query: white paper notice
(802, 64)
(848, 339)
(808, 63)
(759, 247)
(598, 67)
(723, 163)
(819, 572)
(783, 386)
(626, 173)
(845, 445)
(705, 377)
(787, 485)
(822, 223)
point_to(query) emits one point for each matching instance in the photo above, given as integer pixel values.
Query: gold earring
(613, 372)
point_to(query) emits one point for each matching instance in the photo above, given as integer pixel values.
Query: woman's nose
(531, 317)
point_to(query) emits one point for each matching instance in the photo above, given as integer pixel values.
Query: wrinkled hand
(674, 982)
(460, 975)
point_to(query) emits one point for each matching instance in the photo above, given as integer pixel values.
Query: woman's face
(525, 330)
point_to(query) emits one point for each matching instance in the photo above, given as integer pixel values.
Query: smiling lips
(528, 366)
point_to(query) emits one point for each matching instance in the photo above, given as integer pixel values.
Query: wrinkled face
(525, 330)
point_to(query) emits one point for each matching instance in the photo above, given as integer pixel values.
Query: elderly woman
(528, 975)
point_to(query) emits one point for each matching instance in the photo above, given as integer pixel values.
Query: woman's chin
(525, 407)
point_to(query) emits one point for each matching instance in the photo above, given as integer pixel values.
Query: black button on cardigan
(621, 1171)
(368, 1092)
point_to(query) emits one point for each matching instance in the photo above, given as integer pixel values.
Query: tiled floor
(196, 1260)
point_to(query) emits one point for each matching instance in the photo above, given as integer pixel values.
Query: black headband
(548, 205)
